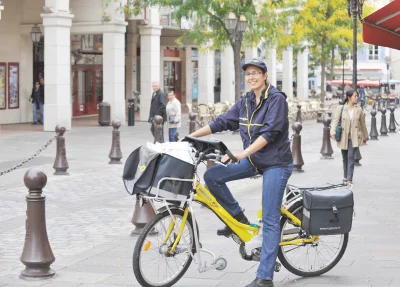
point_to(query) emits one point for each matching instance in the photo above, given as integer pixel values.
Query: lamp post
(388, 61)
(36, 34)
(343, 54)
(354, 9)
(235, 29)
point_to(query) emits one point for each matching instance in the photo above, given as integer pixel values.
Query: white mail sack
(180, 150)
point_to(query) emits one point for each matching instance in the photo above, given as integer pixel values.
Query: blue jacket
(269, 120)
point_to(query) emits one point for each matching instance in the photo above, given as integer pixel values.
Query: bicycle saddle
(203, 145)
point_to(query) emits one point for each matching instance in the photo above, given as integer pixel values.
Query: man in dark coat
(157, 107)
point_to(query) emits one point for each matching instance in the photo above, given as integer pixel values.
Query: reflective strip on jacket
(269, 119)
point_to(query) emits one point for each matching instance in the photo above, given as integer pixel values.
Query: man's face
(156, 87)
(42, 81)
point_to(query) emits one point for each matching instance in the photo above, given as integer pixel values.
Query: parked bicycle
(171, 240)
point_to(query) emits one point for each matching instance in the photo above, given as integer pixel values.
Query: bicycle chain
(28, 159)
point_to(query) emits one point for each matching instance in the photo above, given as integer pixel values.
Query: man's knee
(210, 178)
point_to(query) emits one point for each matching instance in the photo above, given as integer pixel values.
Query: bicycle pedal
(277, 267)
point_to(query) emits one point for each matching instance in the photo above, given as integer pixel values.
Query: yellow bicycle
(170, 241)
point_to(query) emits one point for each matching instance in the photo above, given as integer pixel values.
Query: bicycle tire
(296, 208)
(142, 239)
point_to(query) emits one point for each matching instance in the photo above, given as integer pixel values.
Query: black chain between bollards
(30, 158)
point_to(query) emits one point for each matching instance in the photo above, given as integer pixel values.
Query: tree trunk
(332, 64)
(236, 57)
(323, 64)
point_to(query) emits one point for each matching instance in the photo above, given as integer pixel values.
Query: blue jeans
(41, 107)
(171, 132)
(274, 183)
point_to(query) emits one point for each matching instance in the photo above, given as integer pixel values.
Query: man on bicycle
(262, 117)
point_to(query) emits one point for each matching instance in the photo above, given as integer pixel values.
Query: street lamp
(36, 35)
(235, 28)
(343, 54)
(354, 9)
(388, 61)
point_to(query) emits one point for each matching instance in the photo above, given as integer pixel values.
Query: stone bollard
(142, 214)
(192, 123)
(296, 148)
(374, 131)
(158, 129)
(319, 117)
(37, 255)
(61, 163)
(298, 116)
(357, 157)
(383, 129)
(115, 152)
(392, 125)
(326, 149)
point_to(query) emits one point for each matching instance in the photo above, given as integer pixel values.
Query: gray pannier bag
(327, 212)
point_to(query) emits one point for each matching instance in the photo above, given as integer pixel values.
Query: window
(373, 52)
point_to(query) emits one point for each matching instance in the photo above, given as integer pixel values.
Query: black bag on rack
(327, 212)
(144, 169)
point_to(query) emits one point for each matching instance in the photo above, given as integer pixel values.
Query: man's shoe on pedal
(261, 283)
(226, 231)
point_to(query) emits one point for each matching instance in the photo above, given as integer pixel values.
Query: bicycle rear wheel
(311, 259)
(153, 264)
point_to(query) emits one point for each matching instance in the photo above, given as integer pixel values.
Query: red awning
(382, 27)
(368, 83)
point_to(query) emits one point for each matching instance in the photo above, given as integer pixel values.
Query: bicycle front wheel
(154, 264)
(311, 259)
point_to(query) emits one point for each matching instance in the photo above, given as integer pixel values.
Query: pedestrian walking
(173, 115)
(37, 98)
(157, 107)
(348, 129)
(262, 117)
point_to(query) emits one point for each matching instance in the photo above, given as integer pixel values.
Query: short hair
(155, 83)
(171, 91)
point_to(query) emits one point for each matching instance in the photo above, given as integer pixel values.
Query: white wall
(10, 51)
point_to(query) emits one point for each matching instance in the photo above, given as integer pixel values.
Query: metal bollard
(326, 149)
(392, 125)
(61, 163)
(192, 123)
(329, 113)
(298, 116)
(37, 255)
(379, 105)
(383, 129)
(374, 131)
(296, 148)
(115, 154)
(357, 157)
(142, 214)
(319, 117)
(157, 121)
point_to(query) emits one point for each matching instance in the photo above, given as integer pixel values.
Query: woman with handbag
(173, 115)
(348, 129)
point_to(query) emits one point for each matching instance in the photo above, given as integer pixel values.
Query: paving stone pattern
(89, 212)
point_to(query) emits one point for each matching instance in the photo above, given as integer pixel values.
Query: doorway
(87, 83)
(172, 78)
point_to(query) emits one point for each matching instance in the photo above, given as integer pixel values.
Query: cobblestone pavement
(88, 213)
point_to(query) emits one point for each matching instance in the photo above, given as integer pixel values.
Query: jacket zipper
(251, 119)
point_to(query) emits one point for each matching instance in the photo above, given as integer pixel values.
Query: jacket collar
(252, 95)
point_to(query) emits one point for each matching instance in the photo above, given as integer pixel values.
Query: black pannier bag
(144, 168)
(327, 212)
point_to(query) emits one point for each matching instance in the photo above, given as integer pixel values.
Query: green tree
(208, 27)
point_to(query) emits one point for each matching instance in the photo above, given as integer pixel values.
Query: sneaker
(261, 283)
(226, 231)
